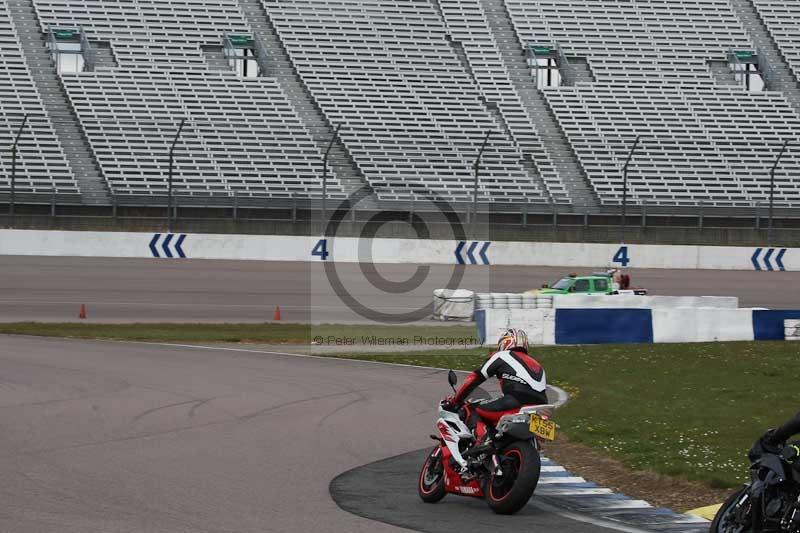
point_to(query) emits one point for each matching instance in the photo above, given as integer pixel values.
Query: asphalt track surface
(380, 491)
(130, 437)
(150, 290)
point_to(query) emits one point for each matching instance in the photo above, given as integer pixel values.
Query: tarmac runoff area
(51, 289)
(106, 437)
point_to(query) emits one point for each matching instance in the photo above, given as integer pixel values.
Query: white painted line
(553, 469)
(560, 480)
(561, 395)
(599, 522)
(610, 503)
(557, 491)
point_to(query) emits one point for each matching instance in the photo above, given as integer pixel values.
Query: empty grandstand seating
(144, 33)
(466, 22)
(242, 134)
(416, 84)
(413, 115)
(650, 60)
(41, 164)
(694, 148)
(669, 40)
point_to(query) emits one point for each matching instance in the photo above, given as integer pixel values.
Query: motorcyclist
(522, 379)
(773, 440)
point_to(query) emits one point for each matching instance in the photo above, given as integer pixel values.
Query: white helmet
(513, 338)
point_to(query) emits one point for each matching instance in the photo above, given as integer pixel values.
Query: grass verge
(272, 333)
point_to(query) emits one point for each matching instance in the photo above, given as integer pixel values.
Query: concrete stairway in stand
(780, 77)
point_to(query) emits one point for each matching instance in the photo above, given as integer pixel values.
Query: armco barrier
(768, 325)
(604, 326)
(420, 251)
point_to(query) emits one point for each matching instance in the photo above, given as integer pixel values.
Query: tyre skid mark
(143, 414)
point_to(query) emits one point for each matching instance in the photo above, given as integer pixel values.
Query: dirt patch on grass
(663, 491)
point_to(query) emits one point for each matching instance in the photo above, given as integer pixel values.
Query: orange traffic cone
(82, 314)
(277, 315)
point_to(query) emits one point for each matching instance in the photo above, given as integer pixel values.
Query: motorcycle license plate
(544, 429)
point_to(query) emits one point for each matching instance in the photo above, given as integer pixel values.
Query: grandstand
(562, 88)
(41, 162)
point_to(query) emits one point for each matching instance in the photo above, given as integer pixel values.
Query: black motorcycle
(771, 501)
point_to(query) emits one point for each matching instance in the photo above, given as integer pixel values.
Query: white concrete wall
(639, 256)
(539, 324)
(229, 247)
(282, 248)
(687, 324)
(625, 301)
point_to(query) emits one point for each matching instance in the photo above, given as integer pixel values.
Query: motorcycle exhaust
(477, 450)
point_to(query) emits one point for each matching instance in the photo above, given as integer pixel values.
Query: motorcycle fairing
(453, 482)
(452, 430)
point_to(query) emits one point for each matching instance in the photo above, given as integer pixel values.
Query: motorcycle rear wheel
(724, 521)
(521, 467)
(431, 478)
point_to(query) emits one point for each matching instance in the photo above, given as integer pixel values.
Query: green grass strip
(272, 333)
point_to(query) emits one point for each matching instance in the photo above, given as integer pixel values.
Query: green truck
(596, 283)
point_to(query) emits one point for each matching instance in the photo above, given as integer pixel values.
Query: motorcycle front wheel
(521, 466)
(431, 478)
(726, 520)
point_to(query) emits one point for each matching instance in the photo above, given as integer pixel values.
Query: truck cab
(594, 284)
(611, 282)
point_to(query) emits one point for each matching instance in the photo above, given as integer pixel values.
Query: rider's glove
(791, 453)
(448, 404)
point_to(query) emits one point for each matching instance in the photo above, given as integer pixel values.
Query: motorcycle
(770, 502)
(501, 465)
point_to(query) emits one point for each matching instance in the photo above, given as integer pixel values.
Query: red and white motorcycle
(500, 465)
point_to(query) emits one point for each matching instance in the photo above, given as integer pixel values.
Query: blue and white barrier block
(791, 330)
(769, 325)
(604, 326)
(621, 326)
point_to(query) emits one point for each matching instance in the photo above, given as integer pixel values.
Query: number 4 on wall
(321, 250)
(621, 257)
